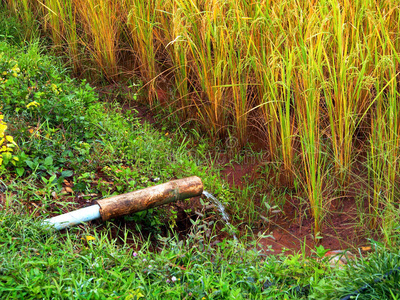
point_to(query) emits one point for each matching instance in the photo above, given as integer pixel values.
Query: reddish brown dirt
(292, 229)
(295, 233)
(144, 113)
(237, 174)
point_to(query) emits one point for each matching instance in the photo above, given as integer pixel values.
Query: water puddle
(221, 208)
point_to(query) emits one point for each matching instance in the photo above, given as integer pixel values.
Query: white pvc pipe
(74, 217)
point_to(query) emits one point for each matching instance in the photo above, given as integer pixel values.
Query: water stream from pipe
(221, 208)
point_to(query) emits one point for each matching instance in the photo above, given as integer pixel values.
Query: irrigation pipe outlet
(132, 202)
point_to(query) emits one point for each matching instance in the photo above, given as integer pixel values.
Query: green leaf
(48, 161)
(52, 178)
(80, 186)
(67, 173)
(30, 164)
(20, 171)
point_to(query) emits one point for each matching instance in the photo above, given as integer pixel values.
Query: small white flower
(173, 278)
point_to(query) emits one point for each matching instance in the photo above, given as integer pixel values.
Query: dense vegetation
(65, 134)
(318, 79)
(89, 262)
(59, 141)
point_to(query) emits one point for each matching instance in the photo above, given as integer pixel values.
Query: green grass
(11, 30)
(376, 277)
(87, 264)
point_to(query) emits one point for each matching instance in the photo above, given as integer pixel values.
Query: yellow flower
(10, 139)
(90, 238)
(55, 89)
(3, 128)
(33, 103)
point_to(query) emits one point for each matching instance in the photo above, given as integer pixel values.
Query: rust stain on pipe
(150, 197)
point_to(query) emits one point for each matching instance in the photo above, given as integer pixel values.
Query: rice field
(319, 80)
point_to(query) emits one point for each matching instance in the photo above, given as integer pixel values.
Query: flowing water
(221, 209)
